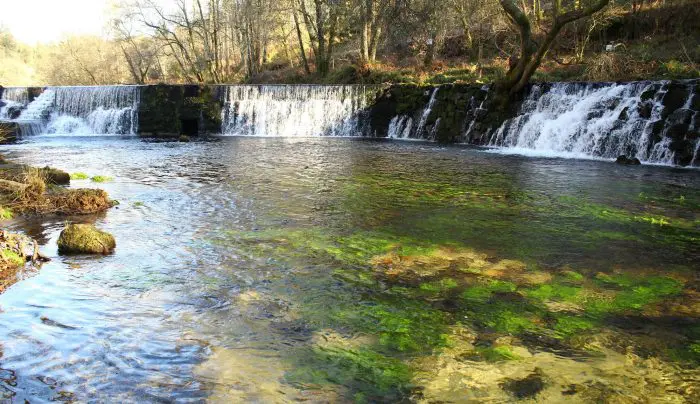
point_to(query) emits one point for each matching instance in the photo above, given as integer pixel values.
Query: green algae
(101, 178)
(554, 292)
(497, 354)
(567, 326)
(369, 374)
(406, 327)
(79, 176)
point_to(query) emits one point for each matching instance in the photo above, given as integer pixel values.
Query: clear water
(250, 269)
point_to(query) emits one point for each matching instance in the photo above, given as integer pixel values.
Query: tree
(532, 53)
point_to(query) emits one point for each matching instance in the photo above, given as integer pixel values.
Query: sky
(34, 21)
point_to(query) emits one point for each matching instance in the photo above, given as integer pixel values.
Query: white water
(95, 110)
(582, 120)
(289, 111)
(13, 97)
(401, 126)
(81, 111)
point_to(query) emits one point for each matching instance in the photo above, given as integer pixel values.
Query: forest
(369, 41)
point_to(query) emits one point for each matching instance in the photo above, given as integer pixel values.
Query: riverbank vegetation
(353, 41)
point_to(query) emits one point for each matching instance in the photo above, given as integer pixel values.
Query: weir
(655, 122)
(290, 111)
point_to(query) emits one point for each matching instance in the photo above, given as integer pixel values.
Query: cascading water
(288, 111)
(95, 110)
(79, 111)
(402, 126)
(13, 100)
(652, 121)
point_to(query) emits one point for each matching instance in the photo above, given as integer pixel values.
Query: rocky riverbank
(26, 190)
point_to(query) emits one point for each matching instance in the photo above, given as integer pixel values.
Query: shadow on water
(331, 270)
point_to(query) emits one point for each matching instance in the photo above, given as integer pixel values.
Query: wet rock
(624, 160)
(675, 98)
(528, 387)
(624, 114)
(85, 238)
(183, 138)
(649, 93)
(644, 109)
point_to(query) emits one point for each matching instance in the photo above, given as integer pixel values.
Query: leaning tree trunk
(532, 54)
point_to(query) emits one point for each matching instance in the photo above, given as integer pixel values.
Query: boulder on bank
(16, 250)
(85, 239)
(624, 160)
(55, 176)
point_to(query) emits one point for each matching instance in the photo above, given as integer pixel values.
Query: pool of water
(274, 270)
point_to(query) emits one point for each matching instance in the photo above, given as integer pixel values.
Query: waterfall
(13, 100)
(288, 111)
(79, 111)
(405, 127)
(95, 110)
(652, 121)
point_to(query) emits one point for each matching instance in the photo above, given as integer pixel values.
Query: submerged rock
(85, 238)
(624, 160)
(528, 387)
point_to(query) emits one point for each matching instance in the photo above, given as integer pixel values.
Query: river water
(331, 270)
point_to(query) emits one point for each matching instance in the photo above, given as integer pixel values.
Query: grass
(12, 258)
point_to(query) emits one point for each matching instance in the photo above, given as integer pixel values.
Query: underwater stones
(627, 161)
(414, 267)
(85, 238)
(527, 387)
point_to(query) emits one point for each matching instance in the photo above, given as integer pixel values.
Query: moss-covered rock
(16, 250)
(85, 238)
(55, 176)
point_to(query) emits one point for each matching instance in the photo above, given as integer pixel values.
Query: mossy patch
(101, 178)
(79, 176)
(85, 238)
(5, 213)
(12, 258)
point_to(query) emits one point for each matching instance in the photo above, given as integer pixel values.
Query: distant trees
(220, 41)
